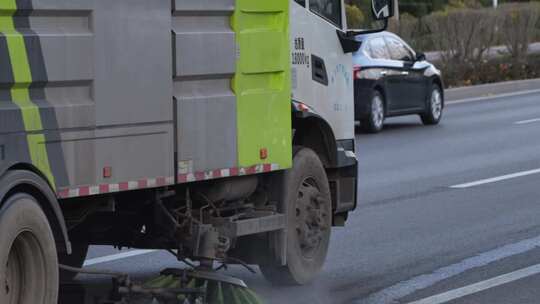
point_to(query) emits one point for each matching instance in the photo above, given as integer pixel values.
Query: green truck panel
(263, 82)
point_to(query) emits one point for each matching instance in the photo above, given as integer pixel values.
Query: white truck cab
(321, 74)
(321, 65)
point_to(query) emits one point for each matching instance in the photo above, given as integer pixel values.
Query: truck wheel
(28, 261)
(76, 259)
(306, 195)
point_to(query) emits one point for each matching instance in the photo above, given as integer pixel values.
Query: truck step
(250, 226)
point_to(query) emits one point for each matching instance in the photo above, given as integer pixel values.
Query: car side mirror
(407, 59)
(348, 42)
(420, 56)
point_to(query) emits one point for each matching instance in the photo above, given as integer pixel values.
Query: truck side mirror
(382, 9)
(348, 42)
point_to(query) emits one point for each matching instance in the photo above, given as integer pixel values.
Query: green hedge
(419, 33)
(463, 35)
(494, 70)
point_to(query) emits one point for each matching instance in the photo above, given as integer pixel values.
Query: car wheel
(375, 121)
(28, 261)
(75, 259)
(308, 206)
(435, 106)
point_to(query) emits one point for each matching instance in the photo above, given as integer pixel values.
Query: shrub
(496, 70)
(518, 28)
(462, 35)
(465, 31)
(355, 17)
(408, 28)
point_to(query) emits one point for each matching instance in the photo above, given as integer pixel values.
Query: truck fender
(322, 141)
(33, 184)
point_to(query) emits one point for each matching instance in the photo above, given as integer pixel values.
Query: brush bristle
(216, 292)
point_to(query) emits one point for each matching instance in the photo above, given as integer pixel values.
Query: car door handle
(405, 73)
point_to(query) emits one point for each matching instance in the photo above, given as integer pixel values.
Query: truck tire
(75, 259)
(306, 195)
(28, 260)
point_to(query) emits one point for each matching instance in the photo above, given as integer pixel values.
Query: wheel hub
(377, 112)
(436, 104)
(310, 218)
(13, 280)
(25, 271)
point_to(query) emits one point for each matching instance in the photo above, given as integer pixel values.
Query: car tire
(28, 258)
(375, 121)
(75, 259)
(306, 194)
(434, 108)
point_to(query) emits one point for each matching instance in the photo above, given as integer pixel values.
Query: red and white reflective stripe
(117, 187)
(219, 173)
(164, 181)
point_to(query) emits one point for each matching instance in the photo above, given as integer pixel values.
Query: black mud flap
(344, 182)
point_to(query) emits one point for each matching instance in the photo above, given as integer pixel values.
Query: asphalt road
(414, 236)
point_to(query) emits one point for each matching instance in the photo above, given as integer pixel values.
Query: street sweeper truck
(219, 130)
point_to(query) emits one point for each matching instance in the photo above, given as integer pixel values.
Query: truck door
(322, 74)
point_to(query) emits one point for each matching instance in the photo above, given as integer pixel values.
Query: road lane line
(494, 96)
(496, 179)
(402, 289)
(114, 257)
(480, 286)
(522, 122)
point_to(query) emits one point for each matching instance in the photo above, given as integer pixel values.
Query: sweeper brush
(215, 288)
(176, 286)
(183, 286)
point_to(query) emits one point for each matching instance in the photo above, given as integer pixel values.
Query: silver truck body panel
(205, 63)
(111, 83)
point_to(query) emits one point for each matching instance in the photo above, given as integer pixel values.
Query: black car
(391, 79)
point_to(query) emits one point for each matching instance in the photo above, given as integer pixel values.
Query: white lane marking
(480, 286)
(528, 121)
(496, 179)
(114, 257)
(393, 293)
(494, 96)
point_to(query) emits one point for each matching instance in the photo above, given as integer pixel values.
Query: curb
(492, 90)
(450, 102)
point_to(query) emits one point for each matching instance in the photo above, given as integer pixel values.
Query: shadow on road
(393, 127)
(82, 292)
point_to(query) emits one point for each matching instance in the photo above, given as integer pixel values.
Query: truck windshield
(359, 16)
(328, 9)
